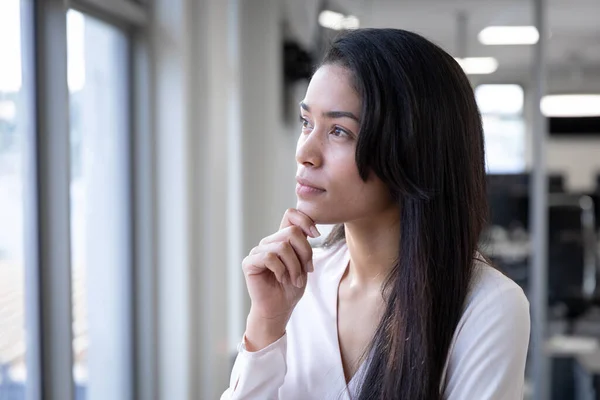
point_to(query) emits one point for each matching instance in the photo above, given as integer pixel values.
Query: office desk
(588, 376)
(571, 379)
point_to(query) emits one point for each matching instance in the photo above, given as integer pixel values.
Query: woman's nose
(309, 149)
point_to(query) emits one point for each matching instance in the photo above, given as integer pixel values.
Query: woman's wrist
(261, 332)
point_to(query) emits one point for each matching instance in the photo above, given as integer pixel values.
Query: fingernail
(300, 281)
(315, 232)
(310, 267)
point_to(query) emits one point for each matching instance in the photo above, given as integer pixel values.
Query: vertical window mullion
(53, 203)
(144, 270)
(33, 386)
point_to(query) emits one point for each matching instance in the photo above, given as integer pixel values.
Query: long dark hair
(421, 134)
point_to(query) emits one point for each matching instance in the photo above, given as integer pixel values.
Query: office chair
(572, 262)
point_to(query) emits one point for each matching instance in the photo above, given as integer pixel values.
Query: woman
(398, 304)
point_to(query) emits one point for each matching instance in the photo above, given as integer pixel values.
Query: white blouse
(486, 359)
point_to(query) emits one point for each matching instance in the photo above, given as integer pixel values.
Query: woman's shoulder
(494, 294)
(488, 351)
(488, 281)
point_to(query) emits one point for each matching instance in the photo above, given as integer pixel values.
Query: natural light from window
(501, 107)
(13, 111)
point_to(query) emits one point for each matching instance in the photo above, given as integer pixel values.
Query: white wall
(223, 182)
(195, 77)
(578, 158)
(268, 141)
(171, 48)
(268, 147)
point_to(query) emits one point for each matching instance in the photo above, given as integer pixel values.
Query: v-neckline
(345, 262)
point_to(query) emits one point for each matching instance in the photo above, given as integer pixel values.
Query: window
(100, 208)
(13, 369)
(501, 107)
(69, 86)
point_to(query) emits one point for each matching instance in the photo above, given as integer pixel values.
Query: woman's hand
(276, 273)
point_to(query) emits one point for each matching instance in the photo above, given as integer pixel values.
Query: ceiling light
(337, 21)
(478, 65)
(509, 35)
(571, 105)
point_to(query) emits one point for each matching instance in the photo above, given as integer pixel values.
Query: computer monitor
(519, 183)
(508, 196)
(566, 258)
(509, 202)
(595, 195)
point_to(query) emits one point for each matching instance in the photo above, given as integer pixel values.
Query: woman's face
(330, 190)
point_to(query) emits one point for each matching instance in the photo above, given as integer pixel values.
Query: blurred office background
(146, 146)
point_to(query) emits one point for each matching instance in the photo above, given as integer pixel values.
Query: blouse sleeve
(487, 360)
(258, 375)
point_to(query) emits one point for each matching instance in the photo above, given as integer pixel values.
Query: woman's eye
(304, 122)
(337, 131)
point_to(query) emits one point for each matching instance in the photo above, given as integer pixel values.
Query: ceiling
(574, 26)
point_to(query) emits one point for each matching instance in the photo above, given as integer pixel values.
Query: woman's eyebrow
(333, 114)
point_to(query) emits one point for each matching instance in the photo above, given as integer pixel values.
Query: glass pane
(13, 371)
(500, 99)
(501, 107)
(100, 208)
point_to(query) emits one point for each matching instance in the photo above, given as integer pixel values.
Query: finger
(290, 259)
(287, 254)
(256, 264)
(295, 217)
(295, 236)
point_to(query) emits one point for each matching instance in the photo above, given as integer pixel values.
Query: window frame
(47, 208)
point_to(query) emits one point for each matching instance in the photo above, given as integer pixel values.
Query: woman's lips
(305, 188)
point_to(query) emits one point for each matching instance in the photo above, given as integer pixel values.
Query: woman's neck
(374, 247)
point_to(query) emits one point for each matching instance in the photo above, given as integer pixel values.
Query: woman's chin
(317, 214)
(310, 210)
